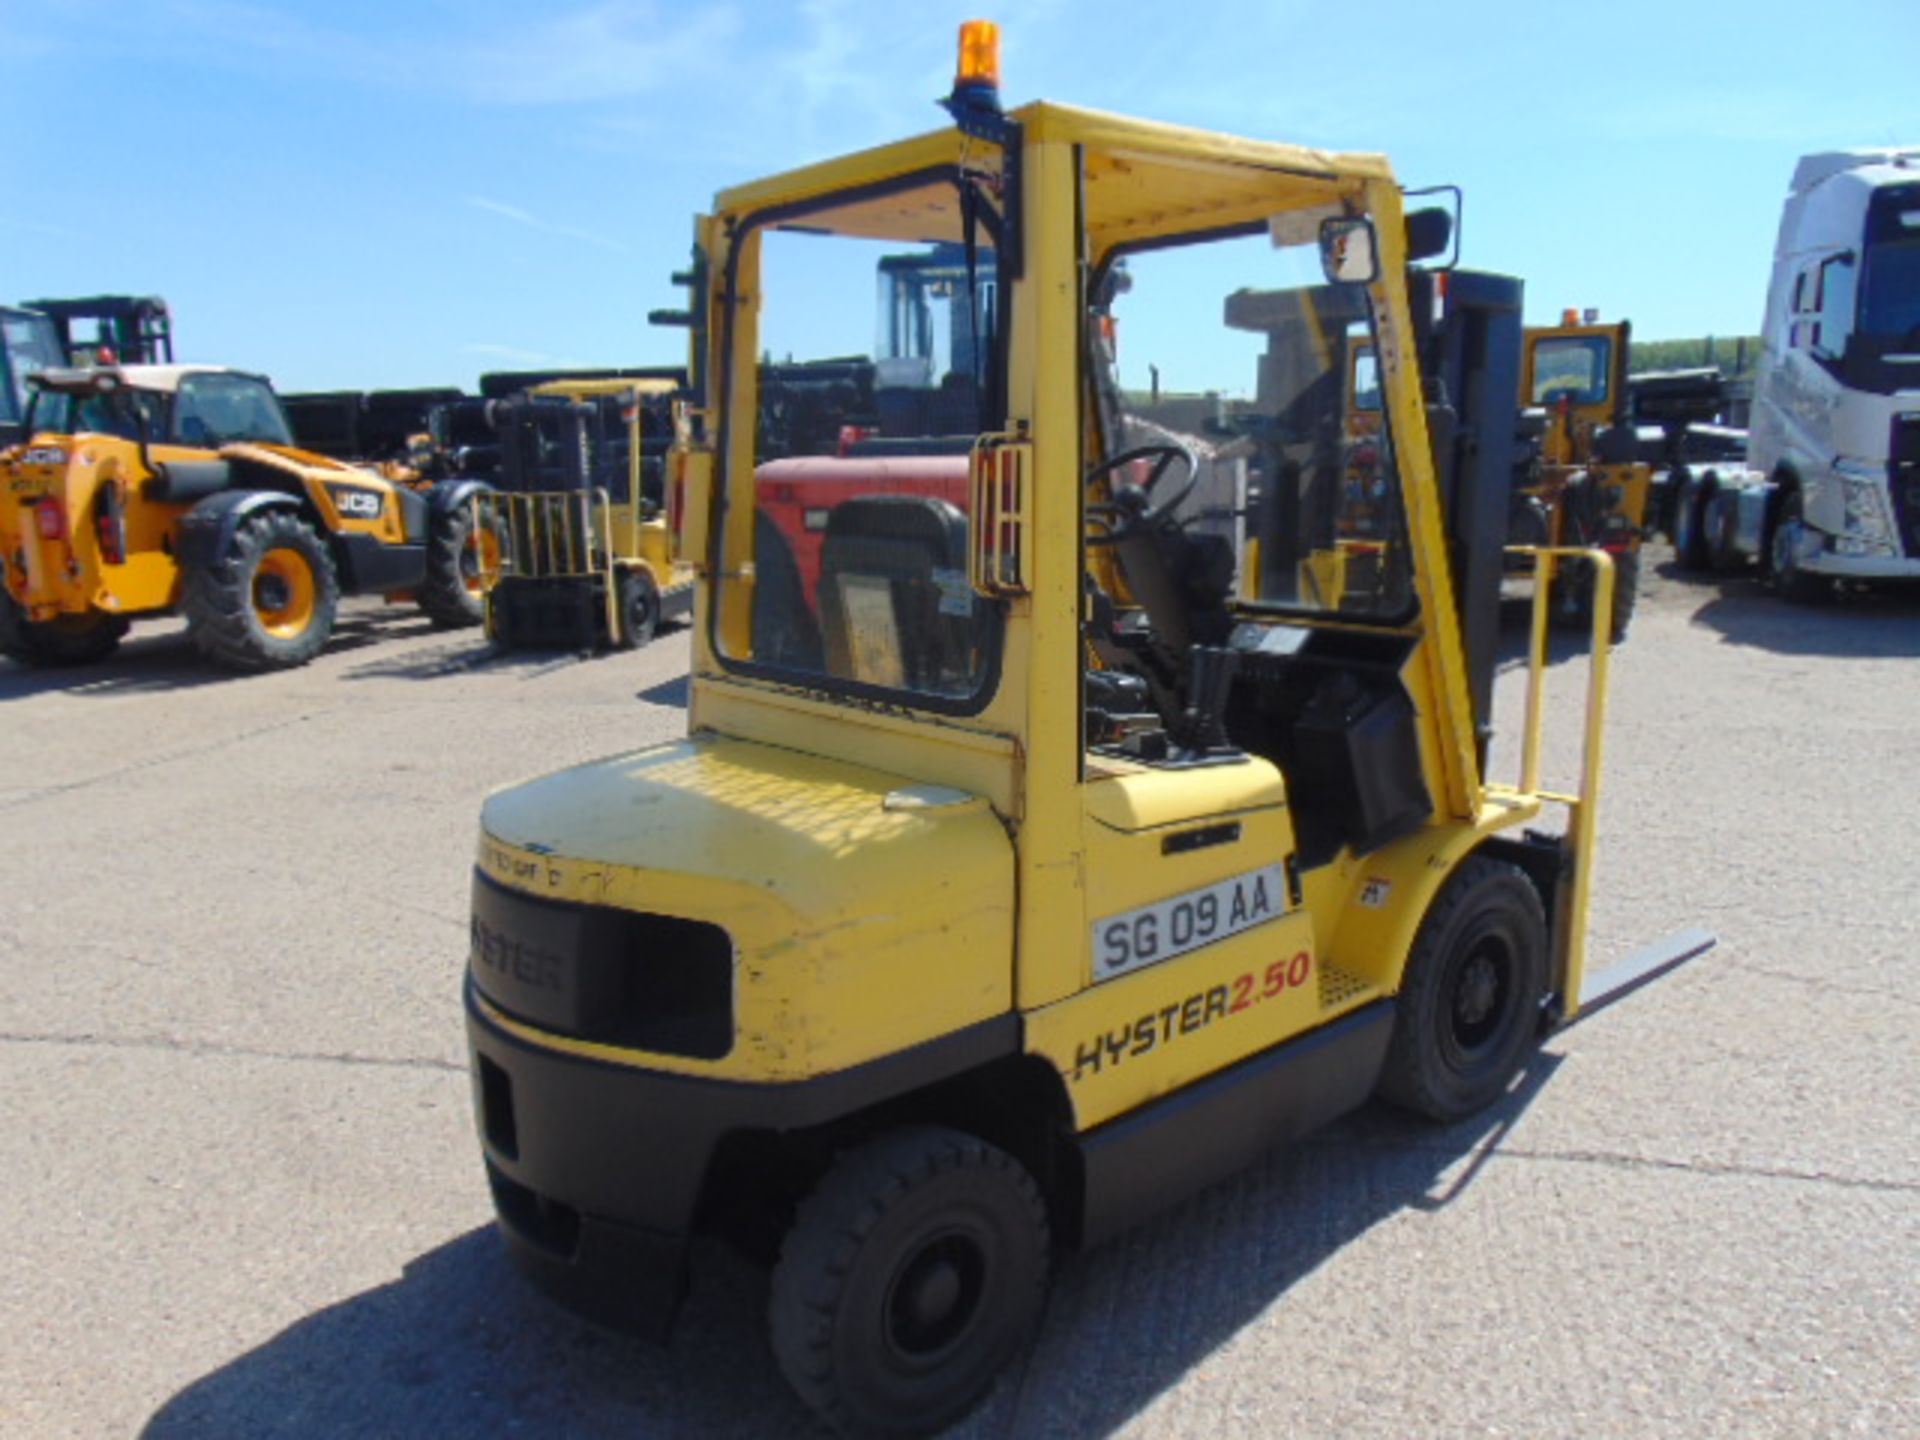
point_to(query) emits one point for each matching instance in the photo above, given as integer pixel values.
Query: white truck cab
(1831, 488)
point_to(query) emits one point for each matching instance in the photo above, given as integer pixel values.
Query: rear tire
(911, 1276)
(1469, 1007)
(453, 594)
(269, 602)
(68, 640)
(1689, 526)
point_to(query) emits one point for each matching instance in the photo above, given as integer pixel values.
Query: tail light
(51, 516)
(110, 524)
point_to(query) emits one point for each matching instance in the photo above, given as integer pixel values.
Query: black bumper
(597, 1169)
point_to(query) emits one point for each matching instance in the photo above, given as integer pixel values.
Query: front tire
(267, 603)
(459, 553)
(911, 1276)
(1784, 571)
(67, 640)
(1469, 1007)
(637, 599)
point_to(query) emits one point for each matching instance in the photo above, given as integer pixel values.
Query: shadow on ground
(167, 661)
(460, 1345)
(1855, 623)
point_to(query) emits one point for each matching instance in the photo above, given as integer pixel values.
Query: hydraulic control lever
(1203, 724)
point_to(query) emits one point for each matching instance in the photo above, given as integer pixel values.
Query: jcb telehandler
(1071, 872)
(1587, 485)
(148, 489)
(578, 547)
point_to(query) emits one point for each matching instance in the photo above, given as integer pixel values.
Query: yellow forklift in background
(1072, 869)
(1588, 486)
(579, 553)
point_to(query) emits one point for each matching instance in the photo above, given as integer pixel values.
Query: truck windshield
(1235, 348)
(860, 438)
(1890, 292)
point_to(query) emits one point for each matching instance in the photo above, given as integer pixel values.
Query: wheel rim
(934, 1298)
(1479, 995)
(284, 593)
(479, 558)
(1786, 539)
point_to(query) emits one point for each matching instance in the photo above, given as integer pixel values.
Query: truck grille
(1903, 479)
(592, 972)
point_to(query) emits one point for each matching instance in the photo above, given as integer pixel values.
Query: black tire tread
(52, 644)
(217, 599)
(444, 597)
(1404, 1079)
(831, 1225)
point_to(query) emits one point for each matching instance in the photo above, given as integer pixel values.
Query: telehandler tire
(269, 602)
(69, 640)
(1469, 1008)
(1575, 612)
(453, 595)
(637, 599)
(911, 1275)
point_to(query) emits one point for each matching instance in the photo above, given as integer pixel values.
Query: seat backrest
(895, 605)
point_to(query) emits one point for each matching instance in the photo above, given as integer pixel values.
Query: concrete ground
(244, 1197)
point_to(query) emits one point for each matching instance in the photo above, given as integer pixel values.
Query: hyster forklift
(1072, 871)
(1586, 484)
(152, 489)
(580, 553)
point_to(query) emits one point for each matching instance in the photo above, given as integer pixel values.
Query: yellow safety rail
(1583, 803)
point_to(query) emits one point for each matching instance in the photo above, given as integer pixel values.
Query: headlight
(1868, 529)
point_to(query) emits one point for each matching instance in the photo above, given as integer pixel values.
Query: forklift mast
(137, 329)
(1467, 325)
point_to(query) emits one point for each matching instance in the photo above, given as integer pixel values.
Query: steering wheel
(1130, 509)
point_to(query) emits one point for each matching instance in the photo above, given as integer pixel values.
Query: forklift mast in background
(128, 329)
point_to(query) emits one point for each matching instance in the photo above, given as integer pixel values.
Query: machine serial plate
(1138, 938)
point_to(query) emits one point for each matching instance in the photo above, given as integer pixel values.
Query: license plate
(1138, 938)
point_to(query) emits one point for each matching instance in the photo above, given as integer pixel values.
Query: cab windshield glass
(1574, 368)
(214, 409)
(865, 418)
(1890, 293)
(129, 414)
(1234, 349)
(30, 347)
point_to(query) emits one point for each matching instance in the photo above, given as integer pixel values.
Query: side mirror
(1349, 252)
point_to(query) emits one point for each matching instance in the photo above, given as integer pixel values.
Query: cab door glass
(1238, 352)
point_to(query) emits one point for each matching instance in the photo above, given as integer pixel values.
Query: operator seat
(895, 607)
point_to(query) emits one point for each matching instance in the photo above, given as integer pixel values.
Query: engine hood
(867, 912)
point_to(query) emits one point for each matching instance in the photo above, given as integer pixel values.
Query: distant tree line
(1734, 354)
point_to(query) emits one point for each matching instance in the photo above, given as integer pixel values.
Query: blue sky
(363, 194)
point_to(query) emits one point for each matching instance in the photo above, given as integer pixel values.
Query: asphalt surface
(243, 1196)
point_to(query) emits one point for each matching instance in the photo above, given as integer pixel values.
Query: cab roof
(1150, 170)
(163, 378)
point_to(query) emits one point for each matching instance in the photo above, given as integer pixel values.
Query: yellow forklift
(578, 550)
(1070, 871)
(1587, 485)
